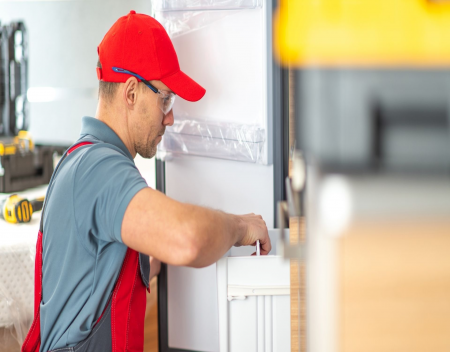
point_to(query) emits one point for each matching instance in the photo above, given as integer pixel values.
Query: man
(101, 220)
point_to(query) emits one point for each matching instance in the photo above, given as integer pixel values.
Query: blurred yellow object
(7, 149)
(363, 33)
(15, 209)
(23, 141)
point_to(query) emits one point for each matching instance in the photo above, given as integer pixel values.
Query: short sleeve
(105, 182)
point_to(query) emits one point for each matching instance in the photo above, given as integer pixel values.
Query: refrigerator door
(232, 59)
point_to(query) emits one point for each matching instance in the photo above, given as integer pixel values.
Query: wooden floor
(151, 319)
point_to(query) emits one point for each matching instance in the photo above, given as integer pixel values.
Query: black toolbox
(14, 79)
(20, 168)
(26, 170)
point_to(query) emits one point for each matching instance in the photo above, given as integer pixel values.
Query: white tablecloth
(17, 253)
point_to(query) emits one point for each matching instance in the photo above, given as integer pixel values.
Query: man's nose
(168, 118)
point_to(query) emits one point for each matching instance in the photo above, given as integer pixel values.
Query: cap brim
(184, 86)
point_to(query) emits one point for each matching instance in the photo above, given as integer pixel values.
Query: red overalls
(121, 325)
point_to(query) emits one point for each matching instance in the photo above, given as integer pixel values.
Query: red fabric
(177, 81)
(99, 73)
(38, 274)
(140, 44)
(128, 307)
(32, 342)
(77, 146)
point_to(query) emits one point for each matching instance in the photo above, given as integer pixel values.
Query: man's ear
(131, 92)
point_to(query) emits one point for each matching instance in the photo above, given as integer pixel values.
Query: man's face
(148, 122)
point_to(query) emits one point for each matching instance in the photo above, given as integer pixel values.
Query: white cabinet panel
(226, 185)
(231, 186)
(242, 335)
(192, 309)
(281, 312)
(254, 304)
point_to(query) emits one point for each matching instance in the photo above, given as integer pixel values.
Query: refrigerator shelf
(204, 5)
(214, 139)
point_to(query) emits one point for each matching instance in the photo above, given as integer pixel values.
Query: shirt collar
(103, 132)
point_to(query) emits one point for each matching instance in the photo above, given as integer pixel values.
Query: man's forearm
(184, 234)
(214, 232)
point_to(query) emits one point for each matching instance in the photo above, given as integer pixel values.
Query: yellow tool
(22, 143)
(7, 148)
(15, 209)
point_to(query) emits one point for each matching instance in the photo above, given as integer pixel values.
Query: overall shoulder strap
(32, 342)
(66, 154)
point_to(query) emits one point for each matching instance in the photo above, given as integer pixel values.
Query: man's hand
(155, 267)
(256, 229)
(185, 234)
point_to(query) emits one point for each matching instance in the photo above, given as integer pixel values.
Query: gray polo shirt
(82, 245)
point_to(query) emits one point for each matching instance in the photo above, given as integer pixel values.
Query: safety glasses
(165, 99)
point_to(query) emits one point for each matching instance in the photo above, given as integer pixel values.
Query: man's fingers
(265, 250)
(266, 246)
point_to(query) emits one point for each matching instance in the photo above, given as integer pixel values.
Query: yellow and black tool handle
(15, 209)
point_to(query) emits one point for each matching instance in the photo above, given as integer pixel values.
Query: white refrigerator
(220, 152)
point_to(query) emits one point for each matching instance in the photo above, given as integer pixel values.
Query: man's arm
(185, 234)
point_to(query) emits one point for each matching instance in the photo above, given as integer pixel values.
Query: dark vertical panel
(280, 127)
(160, 176)
(280, 134)
(163, 324)
(163, 327)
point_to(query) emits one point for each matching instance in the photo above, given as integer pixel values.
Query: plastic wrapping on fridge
(190, 5)
(183, 16)
(221, 140)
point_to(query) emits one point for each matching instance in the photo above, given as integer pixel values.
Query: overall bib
(121, 325)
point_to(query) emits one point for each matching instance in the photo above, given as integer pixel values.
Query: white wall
(63, 39)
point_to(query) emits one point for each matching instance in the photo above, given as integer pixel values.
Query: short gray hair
(106, 90)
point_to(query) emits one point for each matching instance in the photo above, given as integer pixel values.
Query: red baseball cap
(140, 44)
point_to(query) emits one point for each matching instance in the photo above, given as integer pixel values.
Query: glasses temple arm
(147, 83)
